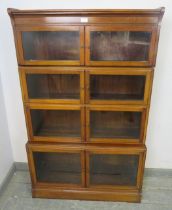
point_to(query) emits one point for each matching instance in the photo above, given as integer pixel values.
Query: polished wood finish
(88, 192)
(59, 149)
(121, 28)
(114, 85)
(112, 127)
(86, 79)
(112, 152)
(58, 87)
(62, 125)
(44, 48)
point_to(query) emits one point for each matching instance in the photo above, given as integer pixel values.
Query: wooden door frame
(22, 61)
(51, 70)
(147, 72)
(125, 27)
(33, 138)
(131, 108)
(141, 151)
(56, 149)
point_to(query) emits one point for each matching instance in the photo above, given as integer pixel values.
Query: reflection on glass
(119, 45)
(117, 87)
(51, 45)
(56, 123)
(58, 167)
(108, 169)
(115, 124)
(53, 86)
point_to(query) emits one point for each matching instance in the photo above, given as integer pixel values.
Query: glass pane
(57, 123)
(119, 45)
(51, 45)
(53, 86)
(117, 87)
(113, 169)
(115, 124)
(58, 167)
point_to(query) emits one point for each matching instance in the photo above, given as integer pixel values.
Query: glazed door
(120, 45)
(119, 167)
(55, 165)
(55, 123)
(115, 124)
(118, 85)
(62, 85)
(50, 45)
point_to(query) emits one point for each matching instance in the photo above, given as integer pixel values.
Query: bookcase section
(86, 79)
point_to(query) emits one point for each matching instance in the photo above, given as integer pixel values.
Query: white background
(6, 157)
(159, 136)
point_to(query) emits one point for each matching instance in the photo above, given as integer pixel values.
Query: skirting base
(87, 194)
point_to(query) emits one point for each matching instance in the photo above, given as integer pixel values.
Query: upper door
(55, 123)
(120, 45)
(118, 85)
(114, 45)
(50, 45)
(115, 124)
(62, 85)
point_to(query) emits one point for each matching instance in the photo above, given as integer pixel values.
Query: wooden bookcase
(86, 79)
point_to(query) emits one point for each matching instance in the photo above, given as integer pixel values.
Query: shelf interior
(64, 168)
(115, 124)
(51, 45)
(119, 45)
(56, 123)
(117, 87)
(112, 169)
(53, 86)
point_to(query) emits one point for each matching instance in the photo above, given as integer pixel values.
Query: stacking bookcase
(86, 79)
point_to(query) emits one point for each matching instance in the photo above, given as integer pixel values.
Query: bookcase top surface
(129, 12)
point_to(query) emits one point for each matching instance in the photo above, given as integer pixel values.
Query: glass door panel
(53, 85)
(114, 125)
(119, 46)
(116, 45)
(59, 167)
(119, 124)
(113, 169)
(61, 45)
(117, 87)
(56, 164)
(61, 124)
(51, 45)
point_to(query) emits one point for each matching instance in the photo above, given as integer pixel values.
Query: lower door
(115, 167)
(115, 124)
(60, 85)
(55, 123)
(118, 85)
(56, 165)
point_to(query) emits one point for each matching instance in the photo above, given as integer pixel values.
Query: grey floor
(157, 195)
